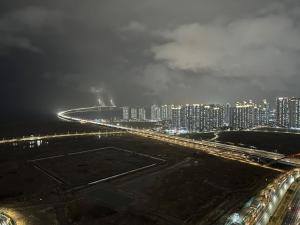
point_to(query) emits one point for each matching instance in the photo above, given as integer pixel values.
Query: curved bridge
(241, 154)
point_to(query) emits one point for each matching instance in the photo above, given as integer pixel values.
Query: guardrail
(259, 209)
(5, 219)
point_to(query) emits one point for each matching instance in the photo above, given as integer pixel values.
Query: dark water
(39, 124)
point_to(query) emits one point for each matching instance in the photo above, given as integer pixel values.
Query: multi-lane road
(242, 154)
(266, 207)
(292, 216)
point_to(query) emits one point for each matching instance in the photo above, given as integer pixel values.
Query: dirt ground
(285, 143)
(185, 188)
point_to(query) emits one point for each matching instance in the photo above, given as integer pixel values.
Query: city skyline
(208, 117)
(272, 103)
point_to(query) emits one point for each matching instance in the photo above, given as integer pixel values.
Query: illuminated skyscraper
(207, 117)
(272, 118)
(242, 115)
(282, 112)
(198, 118)
(227, 114)
(189, 118)
(133, 112)
(141, 114)
(176, 118)
(294, 112)
(264, 115)
(217, 117)
(166, 112)
(155, 113)
(184, 116)
(125, 110)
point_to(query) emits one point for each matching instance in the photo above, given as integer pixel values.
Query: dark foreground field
(285, 143)
(52, 184)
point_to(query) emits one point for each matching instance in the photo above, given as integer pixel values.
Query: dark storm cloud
(59, 54)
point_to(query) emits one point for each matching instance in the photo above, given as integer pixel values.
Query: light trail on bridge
(261, 208)
(293, 213)
(11, 217)
(5, 220)
(230, 152)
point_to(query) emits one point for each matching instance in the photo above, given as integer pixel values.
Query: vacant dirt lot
(271, 141)
(187, 187)
(92, 165)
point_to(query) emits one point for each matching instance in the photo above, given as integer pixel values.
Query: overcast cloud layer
(67, 53)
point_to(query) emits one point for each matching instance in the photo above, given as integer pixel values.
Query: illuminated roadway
(260, 209)
(293, 214)
(5, 219)
(242, 154)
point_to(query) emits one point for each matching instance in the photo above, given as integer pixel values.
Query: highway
(261, 208)
(245, 155)
(292, 216)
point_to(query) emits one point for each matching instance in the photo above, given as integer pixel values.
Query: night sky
(61, 53)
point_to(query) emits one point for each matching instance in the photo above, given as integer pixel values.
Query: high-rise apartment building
(133, 113)
(217, 117)
(294, 111)
(264, 114)
(141, 114)
(288, 112)
(166, 112)
(176, 118)
(189, 119)
(197, 118)
(282, 112)
(125, 113)
(227, 114)
(242, 115)
(155, 113)
(246, 115)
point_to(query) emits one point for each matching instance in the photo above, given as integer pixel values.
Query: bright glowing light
(270, 206)
(14, 217)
